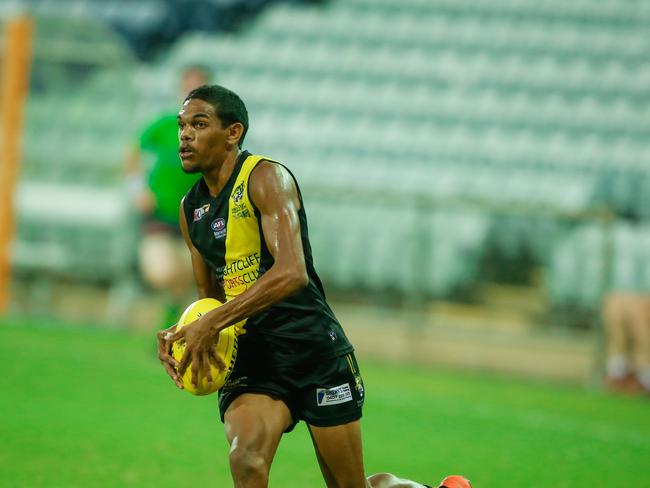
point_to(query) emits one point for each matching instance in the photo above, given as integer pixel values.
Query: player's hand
(165, 355)
(200, 350)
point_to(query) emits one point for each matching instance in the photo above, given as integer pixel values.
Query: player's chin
(188, 165)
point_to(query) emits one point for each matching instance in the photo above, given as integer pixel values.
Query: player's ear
(235, 132)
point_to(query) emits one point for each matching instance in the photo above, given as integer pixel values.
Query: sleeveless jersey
(227, 231)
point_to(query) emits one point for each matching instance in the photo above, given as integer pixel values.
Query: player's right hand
(165, 355)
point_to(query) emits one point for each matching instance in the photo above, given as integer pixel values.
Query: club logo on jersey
(218, 226)
(238, 193)
(199, 213)
(332, 335)
(333, 396)
(238, 209)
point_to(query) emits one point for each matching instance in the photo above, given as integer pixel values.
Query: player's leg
(254, 424)
(330, 400)
(330, 481)
(332, 411)
(339, 453)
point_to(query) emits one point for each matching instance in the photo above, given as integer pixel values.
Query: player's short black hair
(226, 103)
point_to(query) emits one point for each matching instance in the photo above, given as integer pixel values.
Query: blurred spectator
(627, 322)
(156, 184)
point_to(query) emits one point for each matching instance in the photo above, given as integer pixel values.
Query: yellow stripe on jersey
(243, 239)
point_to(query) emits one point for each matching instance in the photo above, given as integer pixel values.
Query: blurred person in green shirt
(156, 184)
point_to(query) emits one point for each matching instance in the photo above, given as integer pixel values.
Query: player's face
(203, 141)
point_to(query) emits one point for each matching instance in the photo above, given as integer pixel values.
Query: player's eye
(200, 125)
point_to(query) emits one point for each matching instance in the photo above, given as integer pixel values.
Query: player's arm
(206, 281)
(274, 193)
(207, 287)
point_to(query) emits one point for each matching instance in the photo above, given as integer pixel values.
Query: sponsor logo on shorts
(200, 212)
(218, 226)
(333, 396)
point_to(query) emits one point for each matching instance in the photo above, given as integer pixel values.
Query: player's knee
(248, 464)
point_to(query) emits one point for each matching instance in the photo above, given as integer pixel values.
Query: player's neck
(218, 176)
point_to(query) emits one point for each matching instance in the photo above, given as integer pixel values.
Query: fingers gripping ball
(226, 348)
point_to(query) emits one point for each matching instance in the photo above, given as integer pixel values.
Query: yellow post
(14, 84)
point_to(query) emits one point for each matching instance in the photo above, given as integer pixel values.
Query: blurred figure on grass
(627, 323)
(156, 184)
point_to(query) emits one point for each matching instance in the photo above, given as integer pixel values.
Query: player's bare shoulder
(271, 181)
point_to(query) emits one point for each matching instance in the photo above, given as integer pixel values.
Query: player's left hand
(165, 354)
(200, 350)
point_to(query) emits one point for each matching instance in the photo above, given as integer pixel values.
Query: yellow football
(226, 348)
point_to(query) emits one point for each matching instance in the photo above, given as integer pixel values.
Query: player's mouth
(185, 152)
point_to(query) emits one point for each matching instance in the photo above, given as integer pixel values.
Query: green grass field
(87, 407)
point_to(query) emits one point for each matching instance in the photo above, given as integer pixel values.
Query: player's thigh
(340, 450)
(255, 422)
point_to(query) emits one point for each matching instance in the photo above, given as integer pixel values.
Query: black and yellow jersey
(227, 231)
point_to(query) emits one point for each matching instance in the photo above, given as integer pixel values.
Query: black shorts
(324, 393)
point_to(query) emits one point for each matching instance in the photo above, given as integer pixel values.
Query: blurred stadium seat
(536, 107)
